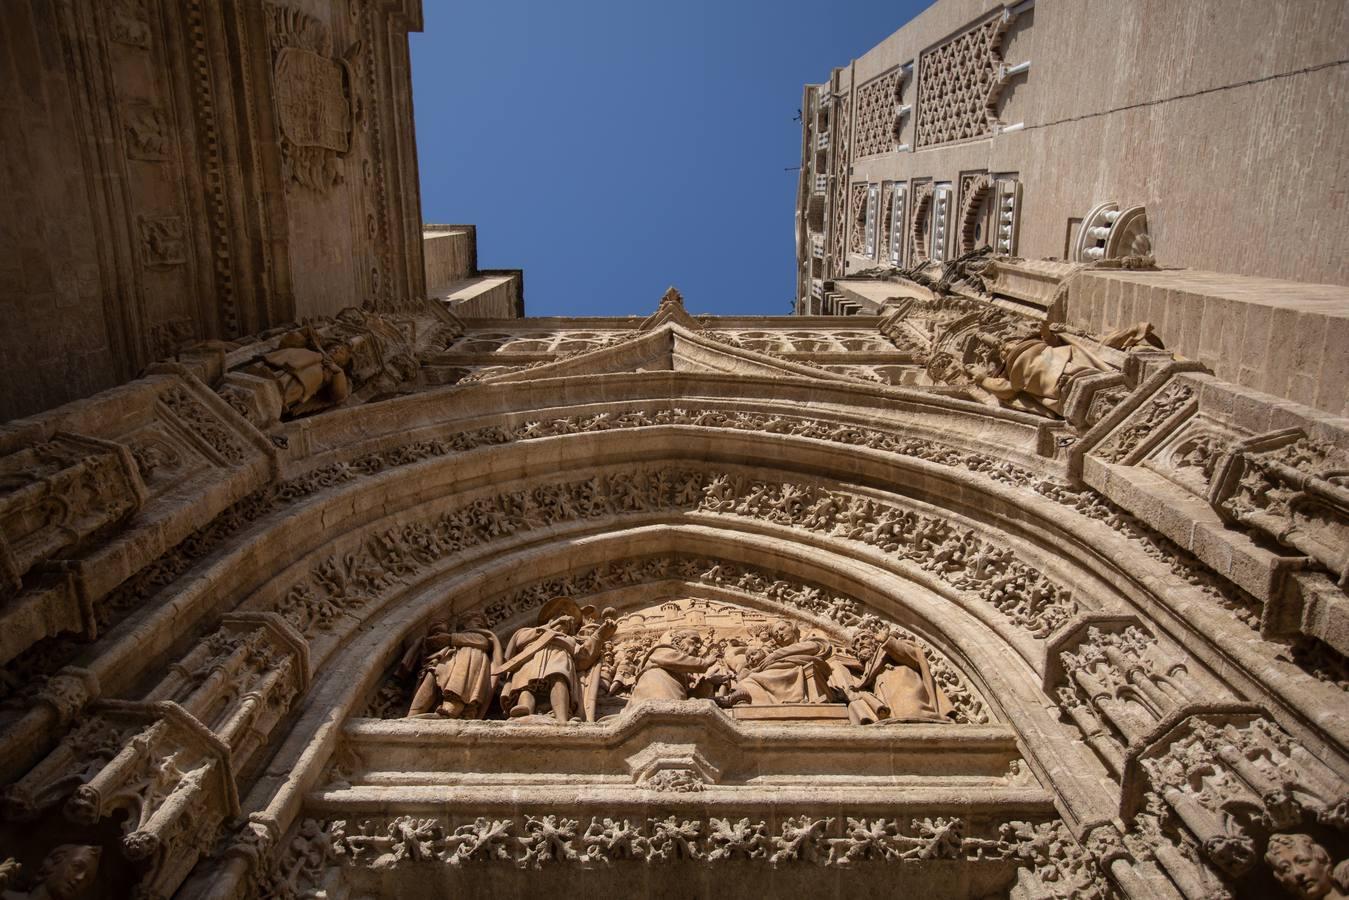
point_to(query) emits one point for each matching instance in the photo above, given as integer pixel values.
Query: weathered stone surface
(986, 594)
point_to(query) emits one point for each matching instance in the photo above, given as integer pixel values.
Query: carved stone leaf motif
(201, 422)
(306, 861)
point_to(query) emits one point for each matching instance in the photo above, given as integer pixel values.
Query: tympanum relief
(578, 664)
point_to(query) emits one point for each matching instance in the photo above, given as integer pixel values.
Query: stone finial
(671, 297)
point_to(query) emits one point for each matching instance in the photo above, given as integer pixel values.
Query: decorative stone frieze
(547, 839)
(955, 555)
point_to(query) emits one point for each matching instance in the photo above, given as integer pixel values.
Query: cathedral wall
(1209, 115)
(196, 171)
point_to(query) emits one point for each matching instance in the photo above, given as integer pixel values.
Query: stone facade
(196, 170)
(990, 593)
(1037, 120)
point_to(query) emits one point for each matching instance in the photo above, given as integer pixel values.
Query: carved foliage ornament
(1018, 590)
(320, 849)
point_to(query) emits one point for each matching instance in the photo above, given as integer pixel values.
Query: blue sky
(611, 149)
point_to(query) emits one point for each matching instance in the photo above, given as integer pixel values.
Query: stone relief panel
(147, 131)
(163, 241)
(689, 648)
(958, 83)
(59, 493)
(857, 217)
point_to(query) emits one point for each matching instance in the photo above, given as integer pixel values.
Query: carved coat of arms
(313, 91)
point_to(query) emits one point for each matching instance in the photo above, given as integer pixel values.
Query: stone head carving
(1301, 866)
(865, 644)
(473, 620)
(688, 640)
(785, 633)
(561, 613)
(69, 871)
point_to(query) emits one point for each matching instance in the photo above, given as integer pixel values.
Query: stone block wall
(1287, 339)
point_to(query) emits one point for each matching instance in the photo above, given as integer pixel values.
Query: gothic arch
(1084, 636)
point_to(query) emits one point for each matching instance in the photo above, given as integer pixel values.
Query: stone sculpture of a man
(889, 679)
(544, 663)
(67, 873)
(308, 375)
(454, 670)
(1304, 869)
(674, 670)
(794, 670)
(1037, 371)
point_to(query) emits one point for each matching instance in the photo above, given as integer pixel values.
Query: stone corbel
(151, 762)
(672, 767)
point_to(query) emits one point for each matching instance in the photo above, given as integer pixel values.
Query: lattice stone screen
(838, 208)
(857, 210)
(876, 109)
(957, 84)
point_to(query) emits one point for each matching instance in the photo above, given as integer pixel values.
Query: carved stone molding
(59, 493)
(1229, 780)
(316, 857)
(963, 560)
(1290, 488)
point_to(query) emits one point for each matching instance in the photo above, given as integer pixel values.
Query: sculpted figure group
(560, 666)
